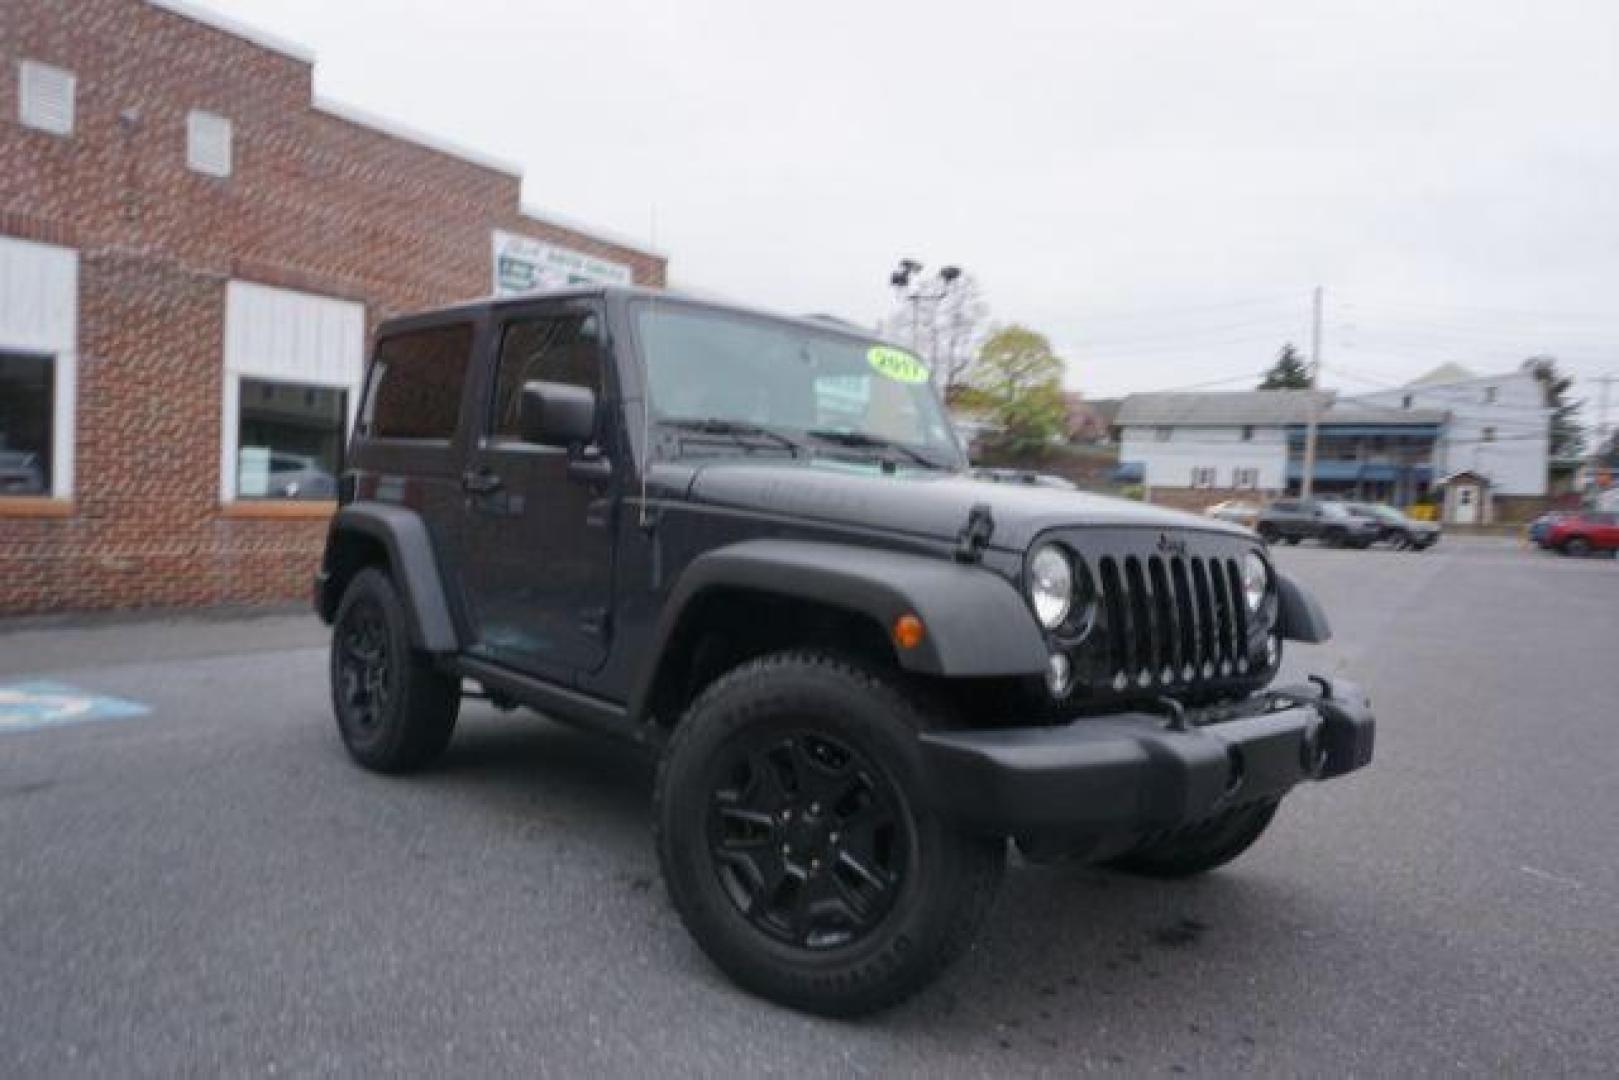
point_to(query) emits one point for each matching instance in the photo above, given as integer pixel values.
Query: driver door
(537, 571)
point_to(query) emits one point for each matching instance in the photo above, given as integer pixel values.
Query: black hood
(922, 503)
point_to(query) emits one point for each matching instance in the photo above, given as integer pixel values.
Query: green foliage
(1290, 372)
(1568, 438)
(1018, 379)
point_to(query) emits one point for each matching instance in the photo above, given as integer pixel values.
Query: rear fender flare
(403, 534)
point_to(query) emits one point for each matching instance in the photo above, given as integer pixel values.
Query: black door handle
(592, 469)
(480, 482)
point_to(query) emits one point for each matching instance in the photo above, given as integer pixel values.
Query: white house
(1499, 426)
(1234, 441)
(1395, 446)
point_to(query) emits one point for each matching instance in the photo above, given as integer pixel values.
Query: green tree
(1290, 372)
(1018, 379)
(1568, 438)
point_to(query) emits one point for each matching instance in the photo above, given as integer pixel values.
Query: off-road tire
(949, 878)
(1268, 533)
(407, 719)
(1204, 848)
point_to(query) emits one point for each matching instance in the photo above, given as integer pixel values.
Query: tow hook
(1174, 713)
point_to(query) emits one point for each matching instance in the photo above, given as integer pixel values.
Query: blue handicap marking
(27, 706)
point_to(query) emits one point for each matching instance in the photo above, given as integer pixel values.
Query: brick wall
(316, 202)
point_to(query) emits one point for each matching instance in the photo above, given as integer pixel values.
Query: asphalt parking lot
(211, 887)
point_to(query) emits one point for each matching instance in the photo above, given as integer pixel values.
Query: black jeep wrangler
(749, 544)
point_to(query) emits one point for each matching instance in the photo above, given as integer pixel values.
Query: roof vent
(208, 143)
(45, 97)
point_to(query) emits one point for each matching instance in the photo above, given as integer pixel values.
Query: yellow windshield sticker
(896, 364)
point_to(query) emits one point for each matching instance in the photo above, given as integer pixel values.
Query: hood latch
(974, 536)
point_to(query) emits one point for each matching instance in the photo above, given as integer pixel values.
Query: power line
(1524, 313)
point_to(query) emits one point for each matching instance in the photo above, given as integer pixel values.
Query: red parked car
(1585, 532)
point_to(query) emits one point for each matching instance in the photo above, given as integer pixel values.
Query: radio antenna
(645, 516)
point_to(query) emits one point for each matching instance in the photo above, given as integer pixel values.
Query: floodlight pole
(1308, 484)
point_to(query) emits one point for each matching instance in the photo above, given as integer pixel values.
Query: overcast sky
(1157, 186)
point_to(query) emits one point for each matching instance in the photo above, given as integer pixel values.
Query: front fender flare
(976, 624)
(1302, 617)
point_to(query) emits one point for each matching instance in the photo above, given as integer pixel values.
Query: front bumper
(1140, 772)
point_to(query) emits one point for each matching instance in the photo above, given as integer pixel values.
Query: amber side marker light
(908, 632)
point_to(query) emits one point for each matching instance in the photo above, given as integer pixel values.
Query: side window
(416, 383)
(562, 348)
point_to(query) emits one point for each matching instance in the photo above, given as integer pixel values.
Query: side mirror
(557, 414)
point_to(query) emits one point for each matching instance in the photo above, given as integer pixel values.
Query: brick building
(192, 253)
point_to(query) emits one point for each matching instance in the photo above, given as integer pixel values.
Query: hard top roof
(468, 309)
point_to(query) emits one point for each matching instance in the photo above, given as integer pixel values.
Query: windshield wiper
(875, 442)
(738, 431)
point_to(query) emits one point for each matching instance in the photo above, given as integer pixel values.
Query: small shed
(1467, 499)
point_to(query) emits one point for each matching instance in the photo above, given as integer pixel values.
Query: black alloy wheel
(809, 839)
(395, 709)
(802, 843)
(361, 667)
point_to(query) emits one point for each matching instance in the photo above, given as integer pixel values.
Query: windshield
(846, 394)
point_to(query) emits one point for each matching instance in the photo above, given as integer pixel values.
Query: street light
(916, 290)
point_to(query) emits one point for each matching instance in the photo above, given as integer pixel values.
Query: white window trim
(200, 124)
(64, 354)
(236, 368)
(28, 71)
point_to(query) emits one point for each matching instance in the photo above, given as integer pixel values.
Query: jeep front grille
(1174, 620)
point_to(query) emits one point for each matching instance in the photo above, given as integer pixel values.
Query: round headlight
(1051, 586)
(1255, 580)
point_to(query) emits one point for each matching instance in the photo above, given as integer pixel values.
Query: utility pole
(1315, 375)
(1603, 381)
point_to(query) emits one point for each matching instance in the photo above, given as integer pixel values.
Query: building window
(1490, 393)
(289, 440)
(1489, 434)
(208, 143)
(1247, 433)
(26, 412)
(1161, 433)
(416, 384)
(1245, 479)
(293, 363)
(1405, 402)
(45, 97)
(1203, 477)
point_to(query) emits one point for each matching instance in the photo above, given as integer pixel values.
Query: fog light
(1059, 675)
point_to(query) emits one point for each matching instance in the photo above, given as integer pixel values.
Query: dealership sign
(523, 264)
